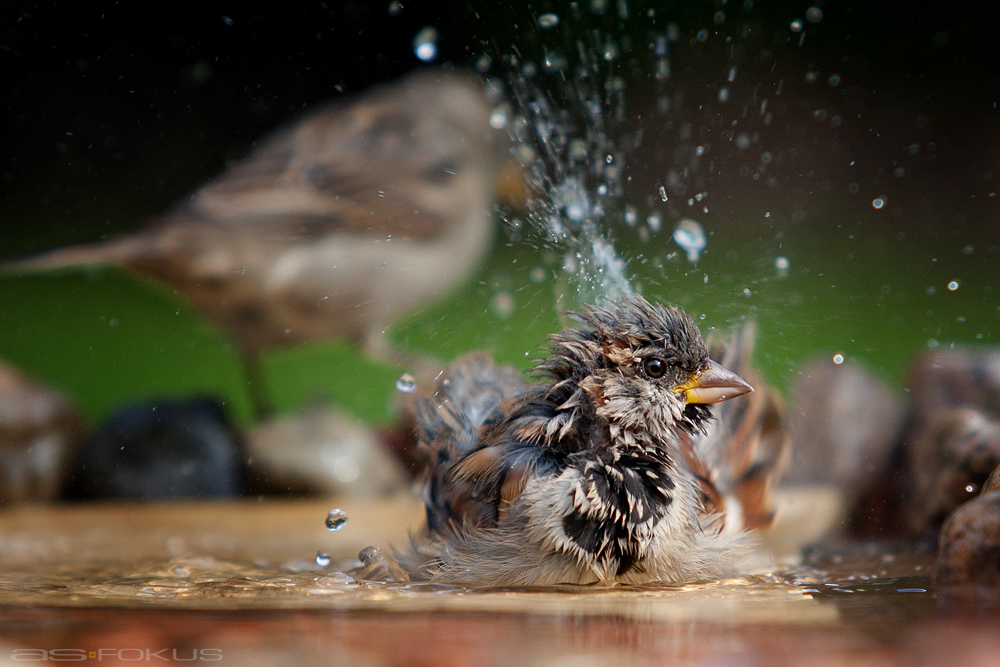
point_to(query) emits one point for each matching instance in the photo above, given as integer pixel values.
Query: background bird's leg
(256, 386)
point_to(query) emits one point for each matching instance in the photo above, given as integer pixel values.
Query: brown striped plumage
(608, 470)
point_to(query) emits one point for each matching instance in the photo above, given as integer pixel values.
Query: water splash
(569, 122)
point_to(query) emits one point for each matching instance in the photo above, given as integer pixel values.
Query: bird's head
(643, 367)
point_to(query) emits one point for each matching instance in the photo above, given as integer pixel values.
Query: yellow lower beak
(712, 385)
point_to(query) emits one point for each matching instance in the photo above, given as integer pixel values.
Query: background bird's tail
(747, 446)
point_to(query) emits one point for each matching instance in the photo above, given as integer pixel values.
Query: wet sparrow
(334, 225)
(609, 470)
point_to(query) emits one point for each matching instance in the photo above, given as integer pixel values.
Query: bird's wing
(465, 476)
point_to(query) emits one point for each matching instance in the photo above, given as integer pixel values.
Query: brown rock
(943, 379)
(844, 422)
(951, 459)
(40, 431)
(324, 452)
(969, 545)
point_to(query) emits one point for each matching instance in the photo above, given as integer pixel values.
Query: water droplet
(537, 275)
(969, 249)
(723, 95)
(631, 216)
(970, 488)
(336, 519)
(503, 305)
(781, 263)
(899, 172)
(795, 26)
(834, 80)
(878, 203)
(425, 44)
(498, 119)
(690, 236)
(700, 150)
(406, 383)
(578, 150)
(395, 7)
(838, 359)
(931, 291)
(322, 558)
(663, 193)
(654, 222)
(548, 20)
(484, 63)
(814, 14)
(731, 74)
(747, 293)
(702, 35)
(953, 285)
(227, 20)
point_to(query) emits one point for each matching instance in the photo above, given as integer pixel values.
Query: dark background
(111, 112)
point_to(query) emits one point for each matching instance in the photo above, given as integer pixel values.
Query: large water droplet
(322, 558)
(548, 20)
(425, 44)
(336, 519)
(406, 383)
(690, 236)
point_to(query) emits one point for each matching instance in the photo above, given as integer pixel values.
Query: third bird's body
(598, 474)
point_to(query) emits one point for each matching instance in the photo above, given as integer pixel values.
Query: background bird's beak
(714, 384)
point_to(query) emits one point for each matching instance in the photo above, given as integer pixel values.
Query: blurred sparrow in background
(334, 225)
(610, 470)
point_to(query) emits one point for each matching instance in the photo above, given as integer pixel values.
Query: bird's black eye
(654, 367)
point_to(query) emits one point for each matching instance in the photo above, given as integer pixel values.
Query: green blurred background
(112, 118)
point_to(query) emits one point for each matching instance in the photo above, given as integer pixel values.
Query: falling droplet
(548, 20)
(663, 193)
(690, 236)
(425, 44)
(406, 383)
(336, 519)
(322, 558)
(838, 359)
(953, 285)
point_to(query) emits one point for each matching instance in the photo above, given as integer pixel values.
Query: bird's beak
(712, 385)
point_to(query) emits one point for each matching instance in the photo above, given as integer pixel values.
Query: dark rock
(161, 450)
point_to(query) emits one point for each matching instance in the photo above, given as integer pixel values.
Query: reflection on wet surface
(243, 577)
